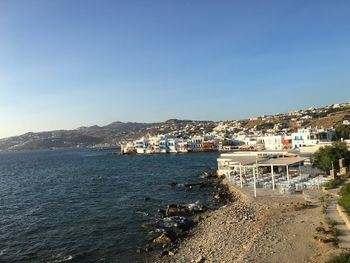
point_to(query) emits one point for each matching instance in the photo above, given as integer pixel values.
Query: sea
(83, 205)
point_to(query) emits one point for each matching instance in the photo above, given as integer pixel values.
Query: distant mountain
(126, 126)
(110, 135)
(117, 132)
(82, 137)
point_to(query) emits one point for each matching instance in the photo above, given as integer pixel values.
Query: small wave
(62, 259)
(195, 206)
(142, 213)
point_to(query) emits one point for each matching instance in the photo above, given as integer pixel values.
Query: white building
(309, 137)
(196, 143)
(272, 142)
(172, 145)
(141, 145)
(182, 146)
(250, 140)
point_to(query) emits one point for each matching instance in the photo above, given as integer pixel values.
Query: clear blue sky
(69, 63)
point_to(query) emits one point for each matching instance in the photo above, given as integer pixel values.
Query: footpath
(333, 213)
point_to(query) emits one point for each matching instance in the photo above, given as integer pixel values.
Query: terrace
(270, 171)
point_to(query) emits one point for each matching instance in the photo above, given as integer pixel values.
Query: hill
(116, 132)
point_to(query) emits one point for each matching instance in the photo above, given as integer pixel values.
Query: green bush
(334, 231)
(325, 156)
(342, 258)
(331, 222)
(345, 189)
(320, 229)
(343, 131)
(334, 183)
(344, 201)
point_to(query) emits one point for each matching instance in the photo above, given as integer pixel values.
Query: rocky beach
(278, 228)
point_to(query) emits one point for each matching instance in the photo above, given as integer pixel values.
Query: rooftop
(261, 161)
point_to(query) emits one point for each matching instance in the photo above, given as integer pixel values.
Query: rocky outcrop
(175, 221)
(164, 239)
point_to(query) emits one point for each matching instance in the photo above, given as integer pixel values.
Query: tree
(325, 156)
(343, 131)
(264, 126)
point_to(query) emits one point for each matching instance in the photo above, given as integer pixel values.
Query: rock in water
(177, 210)
(184, 225)
(164, 240)
(161, 212)
(148, 226)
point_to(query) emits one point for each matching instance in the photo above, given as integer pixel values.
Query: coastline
(265, 229)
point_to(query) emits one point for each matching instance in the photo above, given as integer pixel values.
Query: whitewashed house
(141, 145)
(272, 142)
(309, 137)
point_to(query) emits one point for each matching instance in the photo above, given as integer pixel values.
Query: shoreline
(264, 229)
(176, 222)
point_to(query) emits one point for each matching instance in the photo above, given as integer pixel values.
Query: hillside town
(309, 127)
(306, 130)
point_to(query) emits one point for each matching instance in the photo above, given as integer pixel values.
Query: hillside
(96, 136)
(115, 133)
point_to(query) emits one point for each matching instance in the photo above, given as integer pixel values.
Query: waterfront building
(242, 140)
(309, 137)
(250, 140)
(272, 142)
(196, 143)
(172, 145)
(282, 170)
(230, 162)
(141, 145)
(182, 146)
(163, 146)
(153, 145)
(228, 145)
(208, 146)
(127, 148)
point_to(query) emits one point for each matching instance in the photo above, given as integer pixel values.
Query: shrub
(334, 183)
(334, 231)
(299, 206)
(325, 156)
(331, 222)
(342, 258)
(345, 189)
(343, 131)
(324, 207)
(344, 201)
(320, 229)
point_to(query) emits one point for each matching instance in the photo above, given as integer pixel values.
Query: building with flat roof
(268, 169)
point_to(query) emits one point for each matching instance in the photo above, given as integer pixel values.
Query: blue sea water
(88, 205)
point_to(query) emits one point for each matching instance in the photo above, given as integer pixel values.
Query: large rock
(149, 226)
(210, 173)
(164, 239)
(177, 210)
(185, 225)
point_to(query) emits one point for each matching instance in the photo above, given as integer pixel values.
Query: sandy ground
(266, 229)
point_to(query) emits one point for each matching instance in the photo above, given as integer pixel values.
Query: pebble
(200, 259)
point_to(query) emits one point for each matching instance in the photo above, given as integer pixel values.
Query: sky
(71, 63)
